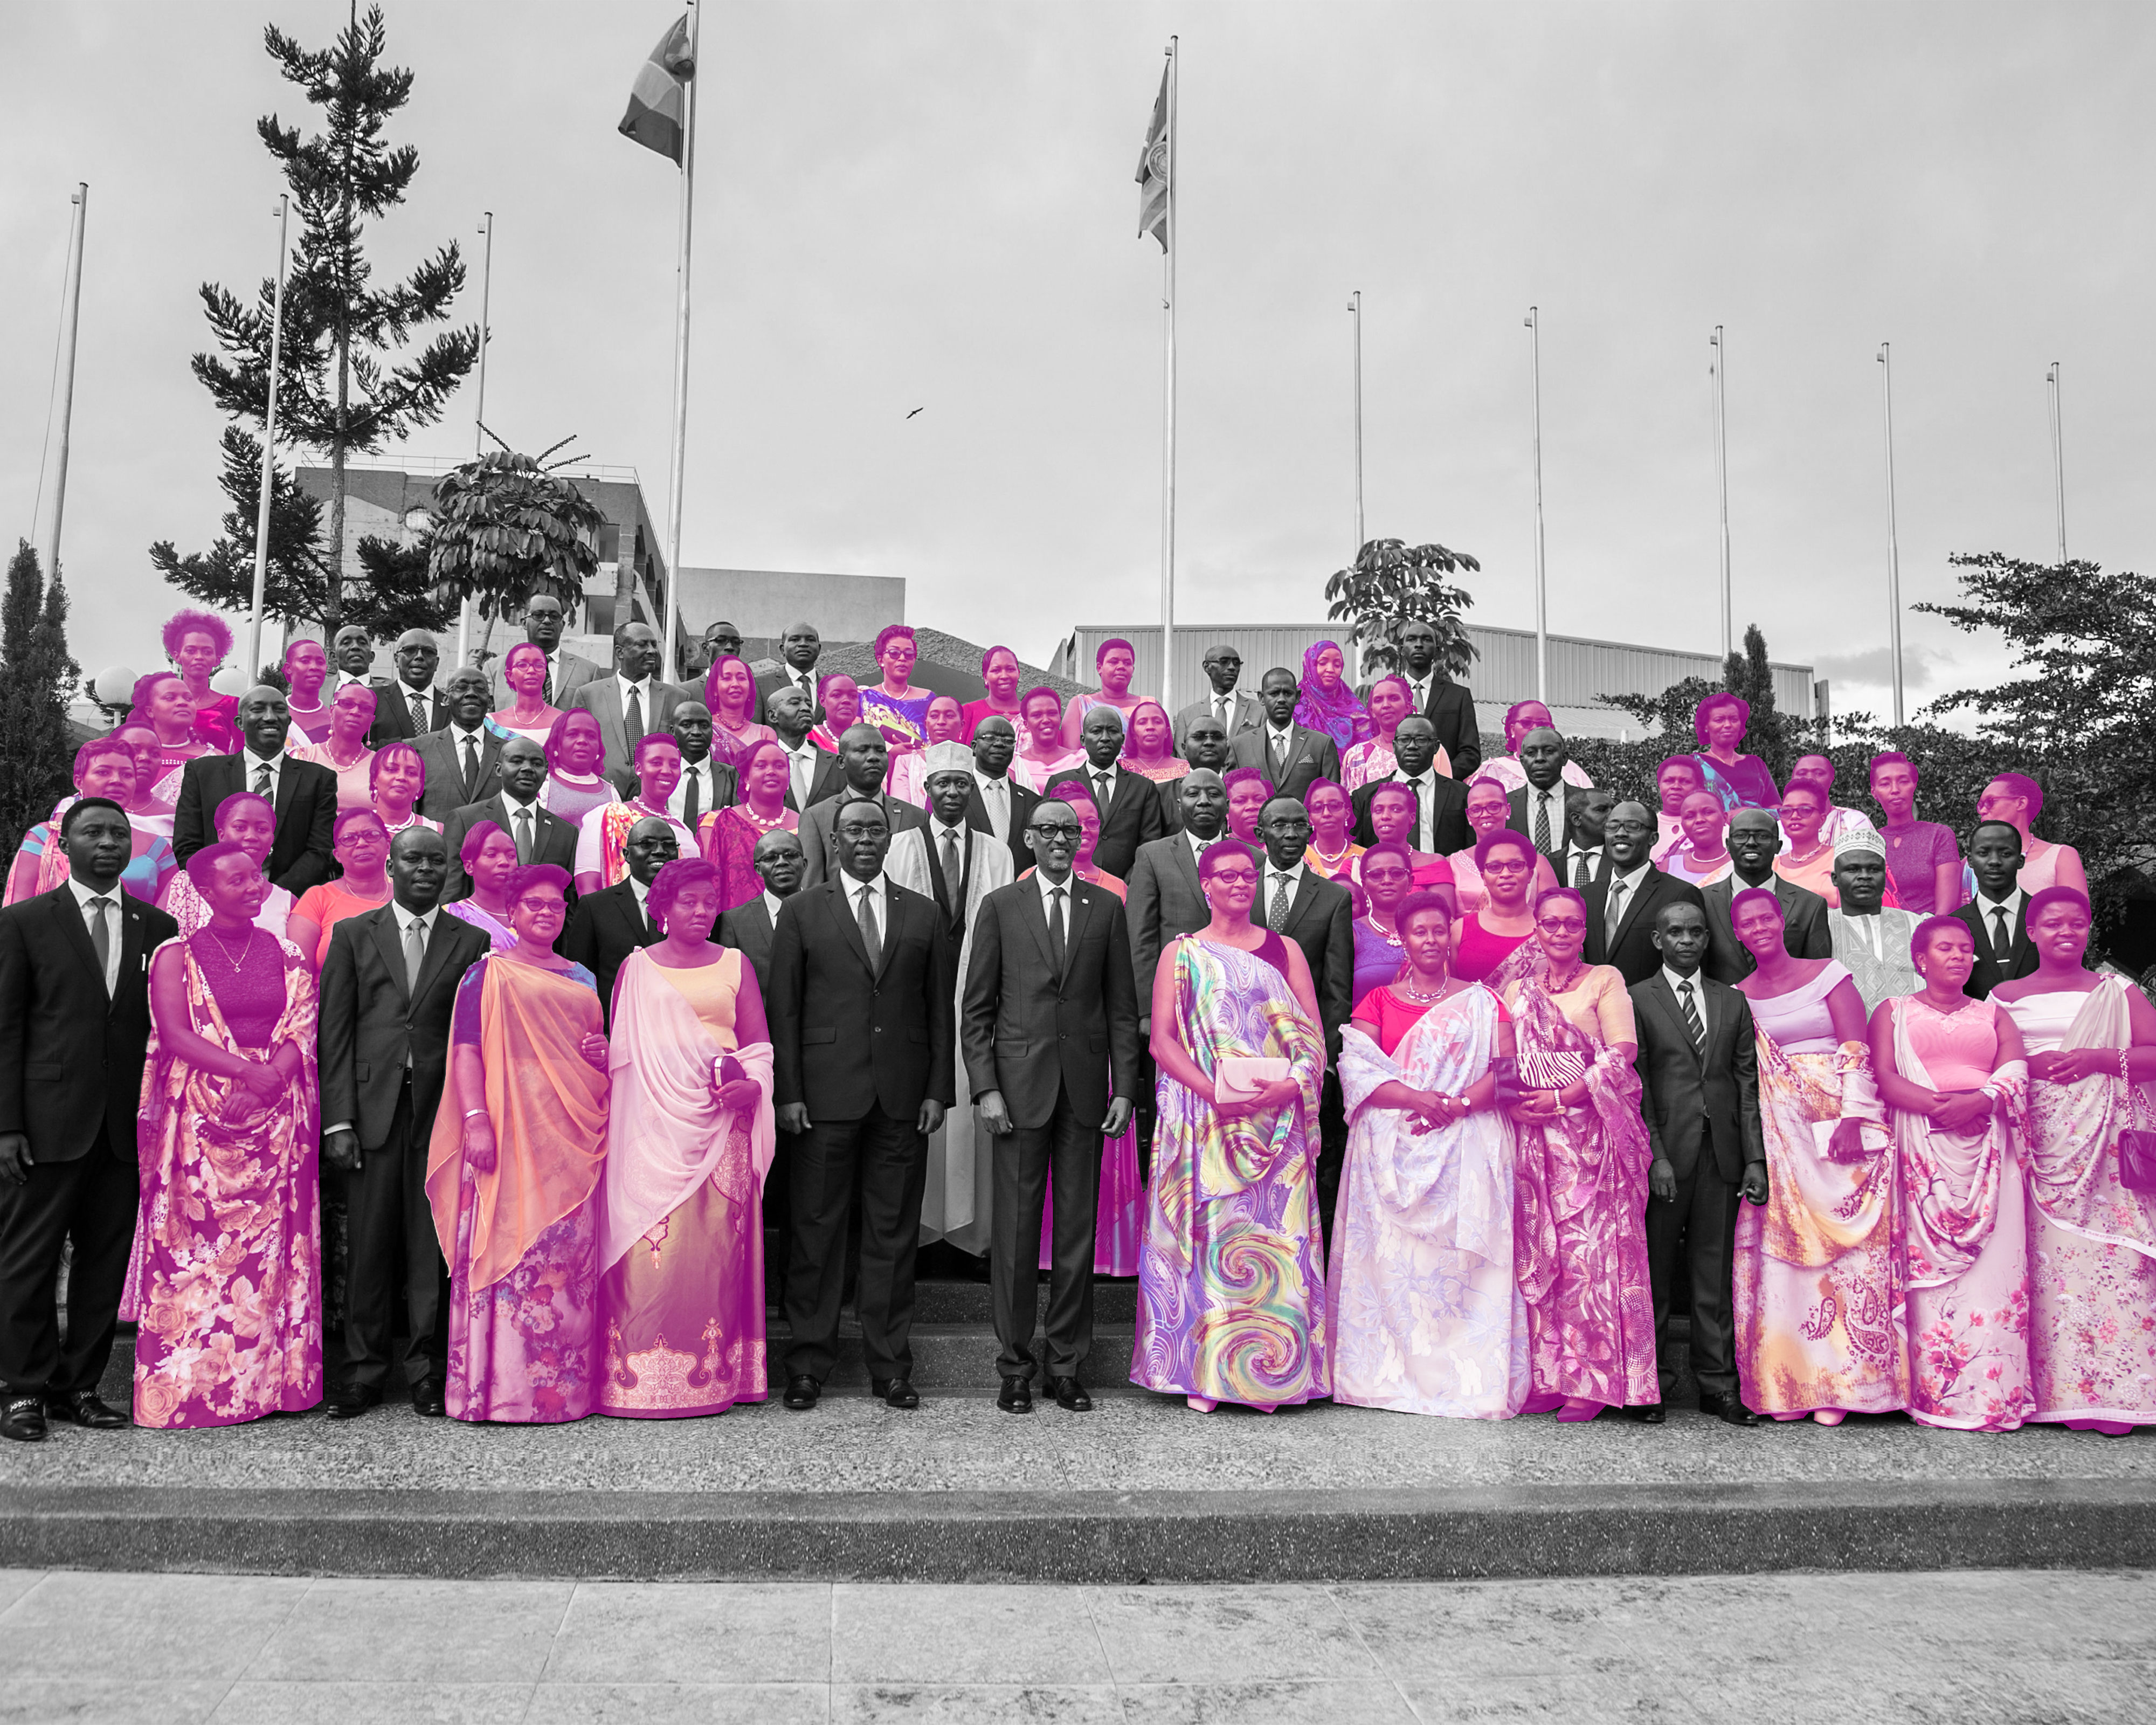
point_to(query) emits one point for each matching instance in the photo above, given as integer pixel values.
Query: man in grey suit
(1163, 896)
(1755, 838)
(1204, 746)
(463, 758)
(632, 702)
(1538, 808)
(566, 672)
(539, 835)
(1290, 754)
(862, 757)
(389, 986)
(798, 650)
(1622, 907)
(1236, 709)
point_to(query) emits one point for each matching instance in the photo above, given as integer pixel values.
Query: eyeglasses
(1058, 829)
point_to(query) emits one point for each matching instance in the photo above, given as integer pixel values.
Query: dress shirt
(1279, 742)
(1574, 854)
(1987, 909)
(1199, 846)
(805, 681)
(852, 890)
(509, 803)
(403, 691)
(996, 799)
(476, 736)
(252, 764)
(1697, 980)
(772, 901)
(1630, 883)
(1223, 708)
(1068, 886)
(1553, 798)
(706, 784)
(115, 900)
(642, 894)
(801, 770)
(1420, 688)
(1425, 793)
(643, 692)
(1104, 800)
(1262, 911)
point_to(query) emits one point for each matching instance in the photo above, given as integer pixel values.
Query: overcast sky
(930, 205)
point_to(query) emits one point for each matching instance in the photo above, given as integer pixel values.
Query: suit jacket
(1561, 868)
(1163, 900)
(443, 753)
(1030, 1030)
(847, 1038)
(1519, 820)
(392, 712)
(1023, 799)
(771, 682)
(1634, 951)
(572, 671)
(1448, 810)
(1804, 927)
(307, 814)
(1451, 709)
(1245, 715)
(1131, 818)
(553, 840)
(1320, 920)
(828, 779)
(747, 929)
(70, 1056)
(817, 824)
(1311, 754)
(601, 698)
(371, 1021)
(1692, 1104)
(1994, 967)
(602, 930)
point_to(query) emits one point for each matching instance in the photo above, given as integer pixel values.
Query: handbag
(1239, 1078)
(2137, 1144)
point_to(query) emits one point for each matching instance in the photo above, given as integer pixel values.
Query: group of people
(508, 1009)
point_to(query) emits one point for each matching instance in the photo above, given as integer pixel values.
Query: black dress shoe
(1016, 1396)
(427, 1400)
(348, 1401)
(1729, 1409)
(897, 1391)
(83, 1408)
(1646, 1412)
(23, 1418)
(801, 1392)
(1070, 1394)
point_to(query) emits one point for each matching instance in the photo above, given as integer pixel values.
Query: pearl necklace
(1332, 859)
(762, 825)
(1412, 992)
(1390, 936)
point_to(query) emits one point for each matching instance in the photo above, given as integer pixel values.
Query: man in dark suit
(303, 795)
(1998, 916)
(1448, 706)
(540, 835)
(544, 620)
(1163, 893)
(1234, 709)
(1538, 808)
(1586, 816)
(1204, 745)
(798, 649)
(389, 986)
(1126, 802)
(1755, 838)
(1051, 1034)
(75, 1024)
(1001, 806)
(403, 705)
(748, 928)
(631, 702)
(862, 757)
(811, 773)
(1699, 1065)
(1441, 804)
(607, 926)
(862, 1000)
(1621, 907)
(463, 758)
(1290, 754)
(706, 782)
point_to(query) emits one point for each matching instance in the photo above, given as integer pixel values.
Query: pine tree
(1767, 733)
(37, 745)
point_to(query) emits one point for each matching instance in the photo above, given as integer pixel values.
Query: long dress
(1231, 1284)
(1427, 1317)
(1964, 1230)
(727, 839)
(1579, 1240)
(522, 1238)
(2091, 1242)
(680, 1301)
(226, 1281)
(1816, 1282)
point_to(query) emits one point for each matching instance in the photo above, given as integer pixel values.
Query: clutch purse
(1239, 1078)
(2137, 1144)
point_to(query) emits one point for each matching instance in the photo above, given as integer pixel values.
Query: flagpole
(678, 469)
(1894, 548)
(1722, 479)
(269, 443)
(1541, 581)
(48, 539)
(1167, 476)
(2058, 455)
(1355, 305)
(479, 406)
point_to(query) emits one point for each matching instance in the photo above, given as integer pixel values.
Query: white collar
(1573, 847)
(1293, 873)
(2011, 904)
(1068, 883)
(252, 760)
(84, 895)
(956, 834)
(1630, 878)
(852, 887)
(1199, 846)
(511, 801)
(1696, 981)
(636, 890)
(406, 918)
(772, 901)
(642, 683)
(1287, 729)
(476, 733)
(1000, 781)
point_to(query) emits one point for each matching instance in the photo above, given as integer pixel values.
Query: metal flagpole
(268, 444)
(48, 537)
(679, 468)
(1894, 548)
(478, 407)
(1355, 305)
(1167, 454)
(1542, 582)
(2058, 455)
(1719, 371)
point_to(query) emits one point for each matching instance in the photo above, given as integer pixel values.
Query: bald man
(303, 795)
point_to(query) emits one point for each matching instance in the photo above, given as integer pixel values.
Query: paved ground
(1952, 1648)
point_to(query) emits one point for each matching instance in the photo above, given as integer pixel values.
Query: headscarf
(1340, 716)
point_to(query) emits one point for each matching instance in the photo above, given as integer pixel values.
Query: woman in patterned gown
(1952, 1073)
(1816, 1283)
(513, 1169)
(1231, 1293)
(1427, 1315)
(226, 1283)
(689, 1138)
(1579, 1236)
(726, 838)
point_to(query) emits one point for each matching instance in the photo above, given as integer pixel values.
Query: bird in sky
(917, 410)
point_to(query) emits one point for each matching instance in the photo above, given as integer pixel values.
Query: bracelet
(469, 1112)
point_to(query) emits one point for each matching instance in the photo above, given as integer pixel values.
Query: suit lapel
(1036, 914)
(1666, 1002)
(1081, 909)
(842, 908)
(288, 787)
(391, 949)
(1650, 885)
(891, 916)
(439, 939)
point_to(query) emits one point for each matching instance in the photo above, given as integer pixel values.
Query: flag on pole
(658, 99)
(1152, 172)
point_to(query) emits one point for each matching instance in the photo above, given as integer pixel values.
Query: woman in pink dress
(576, 750)
(839, 697)
(907, 776)
(1332, 851)
(513, 1173)
(2091, 1040)
(197, 643)
(730, 693)
(343, 747)
(1041, 752)
(689, 1138)
(1703, 857)
(396, 781)
(1000, 671)
(1149, 747)
(1249, 791)
(1483, 940)
(163, 703)
(489, 858)
(306, 669)
(1817, 1286)
(2018, 800)
(361, 845)
(1391, 699)
(104, 766)
(524, 675)
(1741, 781)
(1116, 662)
(226, 1280)
(1952, 1073)
(1392, 819)
(1580, 1235)
(726, 837)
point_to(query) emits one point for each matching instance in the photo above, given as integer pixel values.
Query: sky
(920, 203)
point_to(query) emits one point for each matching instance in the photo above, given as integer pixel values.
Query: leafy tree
(1392, 583)
(505, 526)
(36, 744)
(343, 388)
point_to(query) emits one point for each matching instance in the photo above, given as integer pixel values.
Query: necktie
(1279, 750)
(524, 835)
(992, 799)
(1055, 929)
(415, 954)
(101, 937)
(1101, 794)
(869, 937)
(1616, 908)
(1276, 912)
(1542, 821)
(800, 763)
(1693, 1022)
(262, 779)
(419, 711)
(546, 684)
(690, 800)
(1415, 785)
(635, 731)
(472, 768)
(807, 688)
(1221, 703)
(951, 882)
(2001, 940)
(1579, 868)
